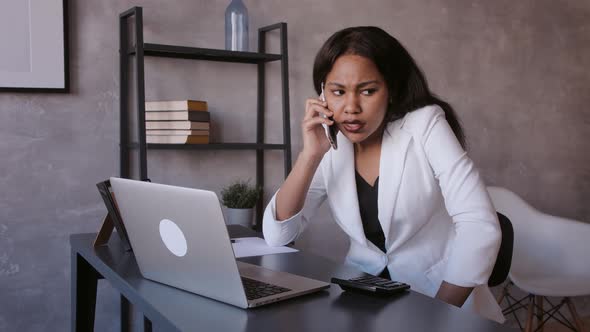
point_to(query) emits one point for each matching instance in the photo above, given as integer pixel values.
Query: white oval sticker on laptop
(173, 237)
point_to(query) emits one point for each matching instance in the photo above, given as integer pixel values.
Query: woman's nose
(351, 104)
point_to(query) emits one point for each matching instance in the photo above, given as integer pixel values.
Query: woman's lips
(352, 127)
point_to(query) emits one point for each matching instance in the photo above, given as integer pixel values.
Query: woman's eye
(369, 92)
(338, 92)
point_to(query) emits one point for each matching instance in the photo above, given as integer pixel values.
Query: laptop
(179, 238)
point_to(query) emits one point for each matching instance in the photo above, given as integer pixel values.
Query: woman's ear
(391, 95)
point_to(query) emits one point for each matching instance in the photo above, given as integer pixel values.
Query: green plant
(240, 195)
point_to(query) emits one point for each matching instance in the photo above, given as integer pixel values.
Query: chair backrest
(544, 245)
(504, 258)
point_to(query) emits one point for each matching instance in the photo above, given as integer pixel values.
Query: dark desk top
(172, 309)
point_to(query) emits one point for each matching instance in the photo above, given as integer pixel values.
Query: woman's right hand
(315, 142)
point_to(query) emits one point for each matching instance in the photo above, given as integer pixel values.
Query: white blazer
(438, 220)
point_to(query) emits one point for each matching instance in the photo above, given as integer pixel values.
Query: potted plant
(240, 198)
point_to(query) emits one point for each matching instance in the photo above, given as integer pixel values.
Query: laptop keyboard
(256, 289)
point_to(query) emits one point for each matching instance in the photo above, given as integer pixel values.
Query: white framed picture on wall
(34, 39)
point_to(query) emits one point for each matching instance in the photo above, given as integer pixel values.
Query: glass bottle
(236, 26)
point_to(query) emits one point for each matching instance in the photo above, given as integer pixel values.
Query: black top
(367, 196)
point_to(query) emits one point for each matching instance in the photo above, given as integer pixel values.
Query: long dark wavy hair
(408, 89)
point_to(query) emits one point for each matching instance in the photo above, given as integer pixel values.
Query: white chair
(550, 258)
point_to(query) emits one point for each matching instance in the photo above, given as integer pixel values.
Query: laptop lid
(179, 238)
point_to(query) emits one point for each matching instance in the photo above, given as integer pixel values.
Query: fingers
(309, 124)
(315, 107)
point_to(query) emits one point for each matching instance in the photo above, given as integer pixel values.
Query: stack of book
(177, 122)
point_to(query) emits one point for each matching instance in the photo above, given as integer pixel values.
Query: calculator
(372, 285)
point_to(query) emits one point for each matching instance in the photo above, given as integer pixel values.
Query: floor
(582, 305)
(556, 327)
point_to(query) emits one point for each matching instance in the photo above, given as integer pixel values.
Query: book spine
(177, 132)
(178, 116)
(172, 106)
(176, 125)
(190, 139)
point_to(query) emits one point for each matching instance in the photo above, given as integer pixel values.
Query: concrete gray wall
(516, 71)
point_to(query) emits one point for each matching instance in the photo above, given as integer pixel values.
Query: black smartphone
(332, 130)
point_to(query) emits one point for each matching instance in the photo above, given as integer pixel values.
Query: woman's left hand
(453, 294)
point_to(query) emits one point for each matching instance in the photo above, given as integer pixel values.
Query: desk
(171, 309)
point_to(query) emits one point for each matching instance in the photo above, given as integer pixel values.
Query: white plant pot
(241, 217)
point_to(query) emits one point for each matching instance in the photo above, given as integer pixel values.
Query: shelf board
(217, 146)
(183, 52)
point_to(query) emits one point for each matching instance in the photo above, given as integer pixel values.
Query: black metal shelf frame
(184, 52)
(217, 146)
(138, 49)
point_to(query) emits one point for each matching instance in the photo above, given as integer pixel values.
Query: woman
(399, 183)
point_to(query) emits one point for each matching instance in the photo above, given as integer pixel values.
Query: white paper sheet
(255, 246)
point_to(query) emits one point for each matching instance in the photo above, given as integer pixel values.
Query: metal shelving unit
(132, 46)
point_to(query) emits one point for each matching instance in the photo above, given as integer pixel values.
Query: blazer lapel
(344, 191)
(394, 148)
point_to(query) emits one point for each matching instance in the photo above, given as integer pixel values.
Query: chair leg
(577, 320)
(539, 300)
(529, 317)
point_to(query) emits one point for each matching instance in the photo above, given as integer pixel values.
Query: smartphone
(332, 130)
